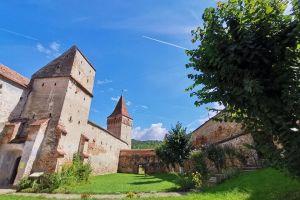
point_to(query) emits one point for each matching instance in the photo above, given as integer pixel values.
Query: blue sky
(127, 42)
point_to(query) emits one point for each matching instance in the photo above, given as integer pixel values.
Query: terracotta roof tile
(13, 76)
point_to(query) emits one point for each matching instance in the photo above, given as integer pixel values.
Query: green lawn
(266, 184)
(122, 183)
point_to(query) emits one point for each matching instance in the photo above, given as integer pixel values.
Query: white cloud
(145, 107)
(154, 132)
(55, 46)
(105, 81)
(110, 89)
(115, 98)
(51, 51)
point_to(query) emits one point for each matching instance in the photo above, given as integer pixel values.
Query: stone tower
(119, 123)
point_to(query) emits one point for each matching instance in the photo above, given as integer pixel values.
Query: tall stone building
(44, 121)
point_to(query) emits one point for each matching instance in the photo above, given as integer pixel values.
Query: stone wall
(213, 131)
(130, 160)
(103, 149)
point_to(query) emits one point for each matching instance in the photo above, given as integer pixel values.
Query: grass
(123, 183)
(266, 184)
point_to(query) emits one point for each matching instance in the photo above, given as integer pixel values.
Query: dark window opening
(54, 83)
(70, 119)
(43, 84)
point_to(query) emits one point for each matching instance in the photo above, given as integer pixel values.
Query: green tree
(175, 148)
(248, 59)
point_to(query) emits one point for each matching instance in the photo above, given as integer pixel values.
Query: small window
(33, 116)
(87, 80)
(21, 98)
(50, 115)
(79, 73)
(79, 122)
(81, 62)
(83, 98)
(70, 119)
(43, 84)
(55, 84)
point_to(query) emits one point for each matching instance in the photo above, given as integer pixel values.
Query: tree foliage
(248, 59)
(176, 147)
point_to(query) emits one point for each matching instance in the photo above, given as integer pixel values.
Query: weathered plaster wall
(45, 101)
(103, 149)
(212, 131)
(12, 99)
(74, 118)
(83, 72)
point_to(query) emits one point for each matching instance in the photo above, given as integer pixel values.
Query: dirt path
(96, 196)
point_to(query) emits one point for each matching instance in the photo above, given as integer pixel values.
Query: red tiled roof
(120, 108)
(13, 76)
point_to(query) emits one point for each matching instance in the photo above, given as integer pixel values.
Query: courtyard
(267, 184)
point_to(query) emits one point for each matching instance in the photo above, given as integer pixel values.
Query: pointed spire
(120, 108)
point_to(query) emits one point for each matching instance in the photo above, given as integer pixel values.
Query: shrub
(185, 182)
(197, 180)
(198, 159)
(71, 174)
(216, 154)
(188, 181)
(24, 183)
(76, 172)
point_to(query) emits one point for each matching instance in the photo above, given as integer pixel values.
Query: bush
(216, 154)
(185, 182)
(198, 159)
(189, 181)
(197, 180)
(76, 172)
(71, 174)
(24, 183)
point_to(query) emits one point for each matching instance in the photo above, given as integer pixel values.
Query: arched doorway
(15, 170)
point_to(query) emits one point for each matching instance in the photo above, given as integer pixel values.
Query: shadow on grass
(265, 184)
(157, 179)
(146, 182)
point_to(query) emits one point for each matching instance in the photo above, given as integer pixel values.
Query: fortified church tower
(119, 123)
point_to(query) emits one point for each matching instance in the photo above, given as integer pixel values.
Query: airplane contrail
(163, 42)
(19, 34)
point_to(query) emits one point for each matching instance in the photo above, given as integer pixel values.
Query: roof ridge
(13, 76)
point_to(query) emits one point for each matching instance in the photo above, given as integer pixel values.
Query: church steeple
(119, 123)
